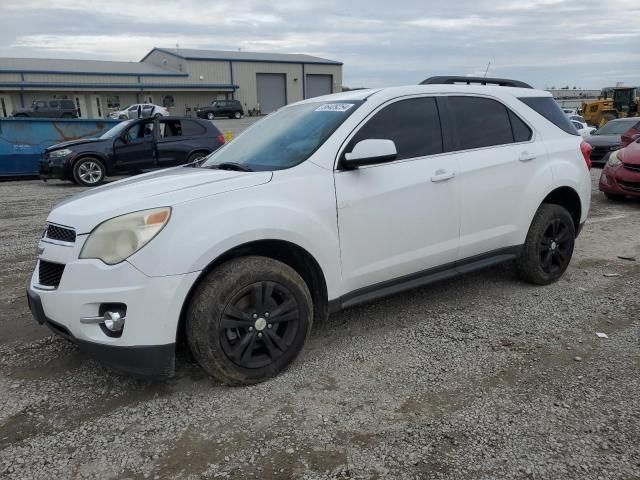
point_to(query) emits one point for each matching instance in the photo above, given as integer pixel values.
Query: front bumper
(153, 308)
(619, 180)
(48, 170)
(142, 361)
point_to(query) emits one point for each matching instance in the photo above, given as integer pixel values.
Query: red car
(621, 175)
(631, 135)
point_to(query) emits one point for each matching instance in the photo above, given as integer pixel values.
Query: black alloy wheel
(259, 324)
(556, 247)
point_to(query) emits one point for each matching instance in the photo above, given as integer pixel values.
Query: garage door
(319, 85)
(272, 92)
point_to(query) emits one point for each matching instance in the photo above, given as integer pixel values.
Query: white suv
(322, 205)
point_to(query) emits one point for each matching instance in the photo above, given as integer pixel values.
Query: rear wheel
(237, 115)
(89, 172)
(249, 319)
(196, 156)
(548, 247)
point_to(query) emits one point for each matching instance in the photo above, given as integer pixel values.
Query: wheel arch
(284, 251)
(568, 198)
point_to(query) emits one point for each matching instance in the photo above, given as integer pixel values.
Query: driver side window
(412, 124)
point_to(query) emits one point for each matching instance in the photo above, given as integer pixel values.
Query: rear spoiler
(451, 80)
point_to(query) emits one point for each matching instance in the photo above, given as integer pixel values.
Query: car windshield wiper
(232, 166)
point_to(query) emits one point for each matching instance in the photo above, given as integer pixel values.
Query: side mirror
(370, 152)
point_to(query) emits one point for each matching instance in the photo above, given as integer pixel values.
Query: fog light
(113, 321)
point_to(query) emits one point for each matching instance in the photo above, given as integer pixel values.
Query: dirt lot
(483, 377)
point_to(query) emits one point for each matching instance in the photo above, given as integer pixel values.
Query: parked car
(570, 111)
(57, 108)
(578, 118)
(221, 108)
(632, 134)
(621, 175)
(608, 138)
(130, 147)
(582, 128)
(139, 110)
(325, 204)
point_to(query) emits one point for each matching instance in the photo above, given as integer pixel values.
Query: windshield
(115, 130)
(614, 128)
(285, 138)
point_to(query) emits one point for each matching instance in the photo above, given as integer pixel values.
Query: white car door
(498, 158)
(398, 218)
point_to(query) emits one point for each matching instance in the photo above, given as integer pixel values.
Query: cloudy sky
(585, 43)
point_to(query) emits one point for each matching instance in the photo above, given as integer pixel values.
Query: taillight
(220, 138)
(585, 148)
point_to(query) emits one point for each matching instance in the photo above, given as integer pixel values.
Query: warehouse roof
(82, 67)
(195, 54)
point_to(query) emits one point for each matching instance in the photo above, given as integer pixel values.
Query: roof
(82, 67)
(195, 54)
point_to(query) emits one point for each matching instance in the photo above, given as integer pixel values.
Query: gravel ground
(482, 377)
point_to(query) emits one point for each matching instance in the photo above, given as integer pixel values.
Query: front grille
(55, 232)
(633, 168)
(630, 186)
(49, 274)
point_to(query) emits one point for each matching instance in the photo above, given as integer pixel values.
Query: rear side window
(413, 125)
(191, 128)
(549, 109)
(170, 128)
(521, 131)
(67, 104)
(481, 122)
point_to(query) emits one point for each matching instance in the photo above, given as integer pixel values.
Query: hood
(157, 189)
(72, 143)
(631, 154)
(603, 140)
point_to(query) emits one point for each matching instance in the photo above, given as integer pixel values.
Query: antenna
(487, 70)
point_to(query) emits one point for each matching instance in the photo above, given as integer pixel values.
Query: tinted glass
(54, 104)
(577, 125)
(191, 128)
(480, 122)
(67, 104)
(170, 128)
(521, 131)
(285, 138)
(413, 124)
(549, 109)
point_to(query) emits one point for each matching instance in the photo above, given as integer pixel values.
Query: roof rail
(450, 80)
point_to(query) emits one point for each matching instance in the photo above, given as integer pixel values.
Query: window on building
(113, 101)
(168, 101)
(413, 124)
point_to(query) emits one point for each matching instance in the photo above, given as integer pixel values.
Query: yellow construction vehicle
(616, 102)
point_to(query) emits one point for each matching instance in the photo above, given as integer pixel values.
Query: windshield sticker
(334, 107)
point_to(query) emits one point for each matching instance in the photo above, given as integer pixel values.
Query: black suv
(132, 146)
(221, 108)
(49, 109)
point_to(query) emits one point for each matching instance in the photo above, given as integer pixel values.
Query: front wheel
(548, 247)
(249, 319)
(210, 116)
(89, 172)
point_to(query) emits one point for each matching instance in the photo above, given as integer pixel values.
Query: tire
(210, 116)
(616, 197)
(229, 334)
(89, 172)
(157, 115)
(195, 156)
(237, 115)
(548, 247)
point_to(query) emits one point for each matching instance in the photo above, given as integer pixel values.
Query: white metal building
(178, 79)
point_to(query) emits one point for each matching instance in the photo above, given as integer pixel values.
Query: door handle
(526, 156)
(442, 175)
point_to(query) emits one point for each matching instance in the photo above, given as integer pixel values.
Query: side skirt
(425, 277)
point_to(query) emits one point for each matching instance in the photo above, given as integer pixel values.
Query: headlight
(118, 238)
(613, 159)
(60, 153)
